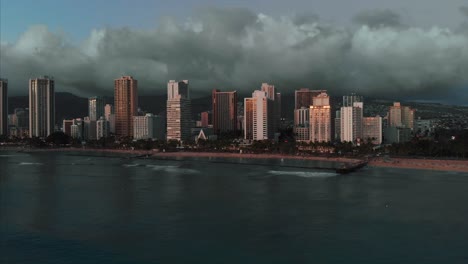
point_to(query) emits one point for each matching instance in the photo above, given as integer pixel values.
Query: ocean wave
(30, 164)
(304, 174)
(172, 169)
(130, 165)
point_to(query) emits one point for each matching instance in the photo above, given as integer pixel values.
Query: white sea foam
(172, 169)
(304, 174)
(130, 165)
(30, 163)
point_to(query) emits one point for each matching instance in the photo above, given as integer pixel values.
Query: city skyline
(381, 50)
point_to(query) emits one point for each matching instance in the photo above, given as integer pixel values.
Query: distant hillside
(67, 105)
(70, 106)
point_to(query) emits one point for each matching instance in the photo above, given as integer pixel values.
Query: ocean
(66, 208)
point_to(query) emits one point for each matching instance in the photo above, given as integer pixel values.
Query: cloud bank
(238, 49)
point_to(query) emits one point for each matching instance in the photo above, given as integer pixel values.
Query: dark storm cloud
(464, 10)
(378, 18)
(237, 49)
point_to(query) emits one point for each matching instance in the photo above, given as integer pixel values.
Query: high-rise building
(394, 115)
(77, 129)
(257, 123)
(179, 117)
(102, 128)
(248, 121)
(108, 110)
(274, 112)
(89, 129)
(372, 129)
(320, 118)
(337, 136)
(126, 105)
(66, 126)
(407, 117)
(41, 107)
(205, 119)
(148, 127)
(301, 124)
(3, 107)
(397, 134)
(19, 123)
(304, 97)
(95, 107)
(177, 89)
(349, 100)
(278, 111)
(302, 116)
(110, 117)
(401, 116)
(224, 111)
(351, 122)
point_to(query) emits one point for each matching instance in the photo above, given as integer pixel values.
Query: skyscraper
(407, 117)
(205, 119)
(126, 105)
(301, 124)
(66, 126)
(108, 110)
(401, 116)
(372, 130)
(77, 129)
(302, 116)
(224, 111)
(248, 118)
(19, 123)
(89, 129)
(148, 127)
(349, 100)
(275, 110)
(110, 117)
(3, 107)
(304, 97)
(320, 118)
(394, 115)
(179, 117)
(337, 136)
(95, 107)
(102, 128)
(177, 89)
(257, 123)
(351, 122)
(41, 107)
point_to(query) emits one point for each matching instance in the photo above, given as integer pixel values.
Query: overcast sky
(414, 48)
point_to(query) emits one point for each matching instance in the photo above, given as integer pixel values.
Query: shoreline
(402, 163)
(421, 164)
(192, 154)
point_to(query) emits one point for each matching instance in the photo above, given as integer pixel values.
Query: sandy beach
(196, 154)
(405, 163)
(422, 164)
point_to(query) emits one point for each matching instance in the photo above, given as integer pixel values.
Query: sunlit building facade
(125, 105)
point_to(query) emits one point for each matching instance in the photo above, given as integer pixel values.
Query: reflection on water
(72, 209)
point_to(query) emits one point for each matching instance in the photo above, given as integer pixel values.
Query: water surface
(59, 208)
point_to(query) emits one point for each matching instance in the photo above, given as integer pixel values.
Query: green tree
(58, 138)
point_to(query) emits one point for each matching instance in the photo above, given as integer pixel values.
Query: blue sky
(77, 18)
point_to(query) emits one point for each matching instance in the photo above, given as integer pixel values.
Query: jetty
(346, 168)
